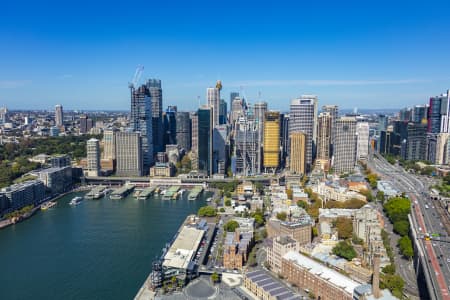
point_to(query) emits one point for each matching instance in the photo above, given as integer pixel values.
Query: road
(426, 214)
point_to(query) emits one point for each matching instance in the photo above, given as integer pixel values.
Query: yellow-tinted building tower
(272, 140)
(297, 153)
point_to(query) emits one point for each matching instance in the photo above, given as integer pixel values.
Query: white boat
(76, 200)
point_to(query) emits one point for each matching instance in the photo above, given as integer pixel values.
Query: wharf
(171, 193)
(147, 192)
(195, 192)
(96, 193)
(121, 192)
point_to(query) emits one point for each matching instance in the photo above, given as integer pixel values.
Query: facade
(57, 180)
(277, 248)
(439, 114)
(222, 112)
(264, 286)
(237, 110)
(303, 117)
(272, 140)
(162, 170)
(220, 149)
(345, 145)
(109, 144)
(297, 155)
(156, 102)
(333, 110)
(213, 98)
(419, 113)
(129, 154)
(247, 149)
(86, 124)
(170, 126)
(362, 140)
(59, 161)
(204, 145)
(441, 149)
(299, 230)
(59, 115)
(416, 143)
(237, 247)
(19, 195)
(141, 121)
(324, 135)
(232, 96)
(183, 130)
(194, 145)
(93, 157)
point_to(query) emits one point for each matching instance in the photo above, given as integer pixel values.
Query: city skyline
(340, 52)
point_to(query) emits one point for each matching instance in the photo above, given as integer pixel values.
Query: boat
(76, 200)
(209, 199)
(48, 205)
(97, 192)
(136, 194)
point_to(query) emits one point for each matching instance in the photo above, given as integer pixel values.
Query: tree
(401, 227)
(344, 227)
(405, 245)
(231, 226)
(222, 210)
(394, 283)
(380, 196)
(389, 269)
(259, 218)
(356, 240)
(228, 202)
(289, 193)
(315, 231)
(215, 277)
(397, 209)
(207, 211)
(302, 204)
(282, 216)
(345, 250)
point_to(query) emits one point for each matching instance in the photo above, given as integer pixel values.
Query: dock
(195, 192)
(121, 192)
(171, 193)
(143, 195)
(96, 193)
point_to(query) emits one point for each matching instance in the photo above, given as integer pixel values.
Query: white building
(93, 157)
(362, 144)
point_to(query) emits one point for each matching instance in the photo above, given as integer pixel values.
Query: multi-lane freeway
(428, 220)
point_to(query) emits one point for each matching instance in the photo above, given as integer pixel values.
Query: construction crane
(137, 75)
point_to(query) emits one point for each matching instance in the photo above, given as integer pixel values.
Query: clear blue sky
(387, 54)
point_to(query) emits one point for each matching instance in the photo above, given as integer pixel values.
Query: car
(448, 260)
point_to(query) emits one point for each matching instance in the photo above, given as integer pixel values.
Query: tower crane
(137, 75)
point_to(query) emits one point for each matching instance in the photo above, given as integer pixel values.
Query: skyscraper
(59, 115)
(247, 148)
(170, 126)
(272, 140)
(155, 93)
(183, 130)
(93, 157)
(324, 136)
(259, 111)
(297, 153)
(141, 121)
(417, 141)
(86, 124)
(204, 139)
(439, 114)
(419, 113)
(333, 110)
(303, 118)
(220, 148)
(345, 145)
(109, 144)
(232, 96)
(129, 154)
(237, 110)
(362, 145)
(213, 98)
(222, 112)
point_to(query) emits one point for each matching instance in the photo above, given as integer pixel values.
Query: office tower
(213, 98)
(54, 131)
(141, 122)
(441, 148)
(129, 154)
(297, 153)
(194, 140)
(86, 124)
(416, 143)
(303, 117)
(237, 110)
(405, 114)
(170, 126)
(203, 135)
(344, 158)
(155, 93)
(430, 149)
(60, 161)
(220, 149)
(247, 148)
(389, 142)
(232, 96)
(419, 113)
(324, 124)
(362, 144)
(333, 110)
(382, 122)
(272, 140)
(93, 157)
(439, 114)
(259, 112)
(109, 144)
(222, 112)
(284, 138)
(59, 115)
(401, 128)
(183, 130)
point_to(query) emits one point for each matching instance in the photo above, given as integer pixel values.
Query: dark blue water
(100, 249)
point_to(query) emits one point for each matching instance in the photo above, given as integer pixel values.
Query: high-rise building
(382, 122)
(222, 112)
(194, 140)
(324, 124)
(129, 154)
(439, 114)
(247, 149)
(4, 115)
(93, 157)
(272, 140)
(109, 144)
(59, 115)
(344, 158)
(237, 110)
(213, 98)
(259, 112)
(297, 156)
(284, 138)
(362, 144)
(441, 148)
(141, 121)
(232, 96)
(333, 110)
(405, 114)
(183, 130)
(156, 100)
(419, 113)
(303, 117)
(204, 140)
(220, 149)
(170, 126)
(431, 147)
(417, 141)
(86, 124)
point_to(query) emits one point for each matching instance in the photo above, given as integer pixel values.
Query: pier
(195, 192)
(121, 192)
(96, 193)
(171, 193)
(147, 192)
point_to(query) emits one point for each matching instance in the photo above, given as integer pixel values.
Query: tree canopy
(207, 211)
(231, 226)
(344, 227)
(345, 250)
(282, 216)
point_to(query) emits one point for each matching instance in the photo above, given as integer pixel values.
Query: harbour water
(100, 249)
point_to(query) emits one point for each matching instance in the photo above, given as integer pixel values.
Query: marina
(48, 205)
(195, 193)
(121, 192)
(96, 193)
(171, 193)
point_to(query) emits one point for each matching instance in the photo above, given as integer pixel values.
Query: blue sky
(386, 54)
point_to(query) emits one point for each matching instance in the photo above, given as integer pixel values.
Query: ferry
(209, 199)
(76, 200)
(48, 205)
(195, 192)
(121, 192)
(97, 192)
(147, 192)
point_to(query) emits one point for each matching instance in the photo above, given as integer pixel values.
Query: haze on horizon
(82, 55)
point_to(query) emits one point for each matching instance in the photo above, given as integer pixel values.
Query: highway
(429, 219)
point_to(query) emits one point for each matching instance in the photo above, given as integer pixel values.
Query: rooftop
(271, 286)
